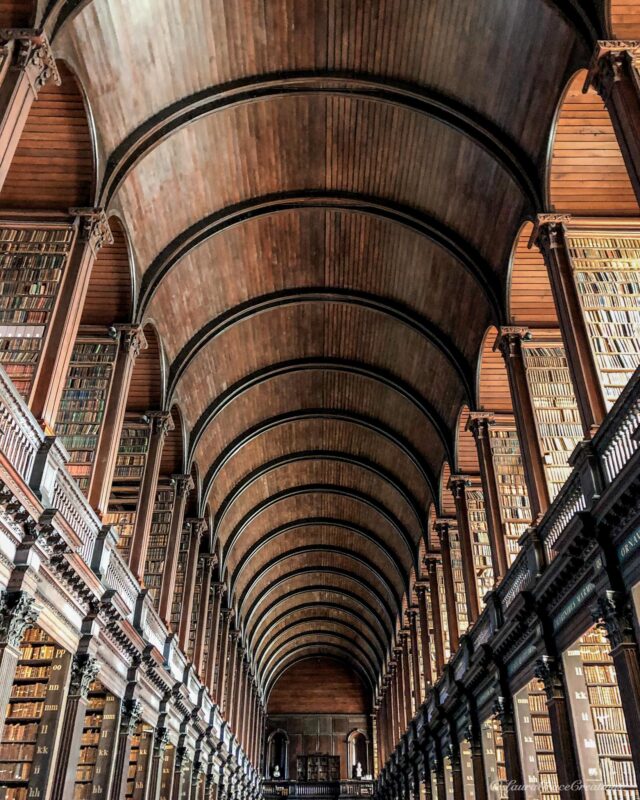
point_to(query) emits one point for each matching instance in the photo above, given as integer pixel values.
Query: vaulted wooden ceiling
(322, 198)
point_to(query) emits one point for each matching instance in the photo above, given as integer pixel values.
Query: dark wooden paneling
(110, 295)
(318, 686)
(17, 13)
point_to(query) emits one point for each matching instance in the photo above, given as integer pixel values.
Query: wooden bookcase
(493, 752)
(443, 615)
(469, 787)
(34, 712)
(166, 778)
(604, 744)
(159, 540)
(458, 579)
(125, 489)
(318, 768)
(554, 404)
(178, 591)
(33, 259)
(536, 744)
(480, 540)
(85, 398)
(139, 762)
(606, 270)
(99, 737)
(195, 611)
(513, 497)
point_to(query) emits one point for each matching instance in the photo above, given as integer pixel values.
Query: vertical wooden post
(161, 424)
(229, 706)
(53, 366)
(549, 236)
(183, 486)
(83, 671)
(412, 616)
(395, 725)
(504, 713)
(406, 677)
(400, 704)
(214, 624)
(222, 668)
(477, 765)
(550, 672)
(32, 65)
(442, 529)
(458, 486)
(425, 644)
(479, 423)
(616, 615)
(613, 74)
(456, 771)
(132, 342)
(131, 712)
(510, 344)
(18, 612)
(196, 529)
(431, 563)
(203, 618)
(160, 742)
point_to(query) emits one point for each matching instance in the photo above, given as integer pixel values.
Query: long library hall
(319, 399)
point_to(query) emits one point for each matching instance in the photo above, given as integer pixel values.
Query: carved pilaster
(95, 230)
(18, 611)
(32, 55)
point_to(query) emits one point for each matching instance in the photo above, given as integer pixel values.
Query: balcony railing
(336, 789)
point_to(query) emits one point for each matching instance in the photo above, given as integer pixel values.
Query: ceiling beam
(295, 366)
(257, 306)
(349, 202)
(372, 424)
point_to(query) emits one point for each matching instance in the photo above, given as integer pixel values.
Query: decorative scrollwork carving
(18, 611)
(84, 670)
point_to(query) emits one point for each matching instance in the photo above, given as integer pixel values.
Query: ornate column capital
(479, 422)
(84, 670)
(509, 340)
(132, 339)
(198, 526)
(94, 227)
(608, 62)
(613, 613)
(131, 714)
(457, 485)
(18, 611)
(549, 671)
(161, 422)
(33, 55)
(183, 485)
(548, 232)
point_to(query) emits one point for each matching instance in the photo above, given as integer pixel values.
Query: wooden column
(244, 707)
(550, 672)
(477, 766)
(31, 66)
(442, 529)
(510, 344)
(196, 528)
(387, 718)
(425, 644)
(412, 617)
(18, 611)
(222, 668)
(456, 771)
(431, 562)
(504, 713)
(161, 424)
(132, 342)
(131, 711)
(229, 704)
(549, 236)
(203, 617)
(183, 486)
(50, 378)
(214, 624)
(83, 672)
(406, 676)
(400, 702)
(613, 74)
(160, 742)
(458, 486)
(393, 694)
(616, 614)
(479, 423)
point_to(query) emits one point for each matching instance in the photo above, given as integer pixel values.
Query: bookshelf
(536, 744)
(448, 778)
(159, 540)
(555, 408)
(34, 711)
(98, 742)
(318, 768)
(432, 642)
(606, 270)
(128, 474)
(84, 400)
(515, 510)
(166, 779)
(607, 717)
(178, 591)
(443, 614)
(483, 566)
(466, 762)
(458, 579)
(493, 752)
(32, 265)
(139, 760)
(207, 635)
(195, 610)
